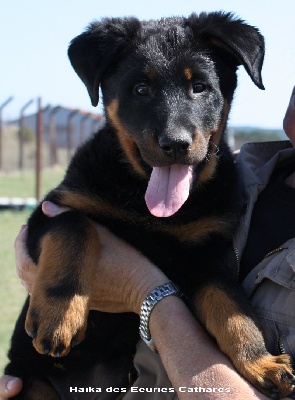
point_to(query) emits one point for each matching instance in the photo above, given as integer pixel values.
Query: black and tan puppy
(160, 175)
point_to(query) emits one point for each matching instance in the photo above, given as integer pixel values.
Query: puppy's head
(167, 88)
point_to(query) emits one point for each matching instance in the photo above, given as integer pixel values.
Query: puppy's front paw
(272, 375)
(57, 325)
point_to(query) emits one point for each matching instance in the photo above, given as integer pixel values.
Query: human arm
(124, 278)
(190, 357)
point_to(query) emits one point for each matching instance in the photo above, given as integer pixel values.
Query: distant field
(10, 151)
(12, 294)
(22, 184)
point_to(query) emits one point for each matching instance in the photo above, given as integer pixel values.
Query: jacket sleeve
(271, 289)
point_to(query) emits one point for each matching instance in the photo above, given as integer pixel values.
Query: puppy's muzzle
(175, 145)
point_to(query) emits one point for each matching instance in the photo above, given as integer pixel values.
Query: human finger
(24, 264)
(21, 237)
(52, 210)
(10, 386)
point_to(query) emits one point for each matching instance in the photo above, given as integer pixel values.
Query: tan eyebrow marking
(188, 73)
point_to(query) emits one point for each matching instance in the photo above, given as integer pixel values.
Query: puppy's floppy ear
(243, 41)
(93, 51)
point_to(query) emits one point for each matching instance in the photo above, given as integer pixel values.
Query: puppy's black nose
(174, 146)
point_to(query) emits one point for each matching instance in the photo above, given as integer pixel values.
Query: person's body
(187, 353)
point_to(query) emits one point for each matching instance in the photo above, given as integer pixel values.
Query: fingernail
(11, 383)
(51, 207)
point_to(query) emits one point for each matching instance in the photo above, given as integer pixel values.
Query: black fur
(167, 88)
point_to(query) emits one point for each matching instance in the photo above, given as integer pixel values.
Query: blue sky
(34, 37)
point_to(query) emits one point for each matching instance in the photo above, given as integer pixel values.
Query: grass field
(12, 294)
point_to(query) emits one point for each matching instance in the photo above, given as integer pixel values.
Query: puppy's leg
(227, 315)
(58, 310)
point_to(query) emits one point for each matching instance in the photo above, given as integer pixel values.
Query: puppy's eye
(142, 89)
(198, 87)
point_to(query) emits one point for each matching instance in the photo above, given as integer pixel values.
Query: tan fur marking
(223, 320)
(272, 368)
(219, 132)
(196, 231)
(200, 143)
(127, 143)
(91, 205)
(209, 169)
(62, 318)
(188, 73)
(235, 333)
(208, 172)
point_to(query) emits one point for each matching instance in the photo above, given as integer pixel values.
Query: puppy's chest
(171, 248)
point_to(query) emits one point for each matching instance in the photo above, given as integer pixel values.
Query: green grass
(12, 294)
(22, 184)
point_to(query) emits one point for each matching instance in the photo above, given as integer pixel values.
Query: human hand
(10, 386)
(25, 268)
(123, 277)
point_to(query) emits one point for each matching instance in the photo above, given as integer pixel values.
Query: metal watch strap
(149, 303)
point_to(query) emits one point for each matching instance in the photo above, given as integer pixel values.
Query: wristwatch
(168, 289)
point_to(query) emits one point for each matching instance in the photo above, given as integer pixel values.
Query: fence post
(21, 135)
(52, 136)
(39, 143)
(70, 130)
(1, 144)
(82, 127)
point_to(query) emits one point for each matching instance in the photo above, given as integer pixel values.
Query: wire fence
(53, 131)
(43, 139)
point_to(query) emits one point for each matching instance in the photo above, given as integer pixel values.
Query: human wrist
(158, 294)
(146, 282)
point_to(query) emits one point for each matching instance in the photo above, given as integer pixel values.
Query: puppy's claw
(287, 377)
(32, 330)
(58, 351)
(32, 334)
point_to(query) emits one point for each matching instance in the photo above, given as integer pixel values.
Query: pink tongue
(168, 189)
